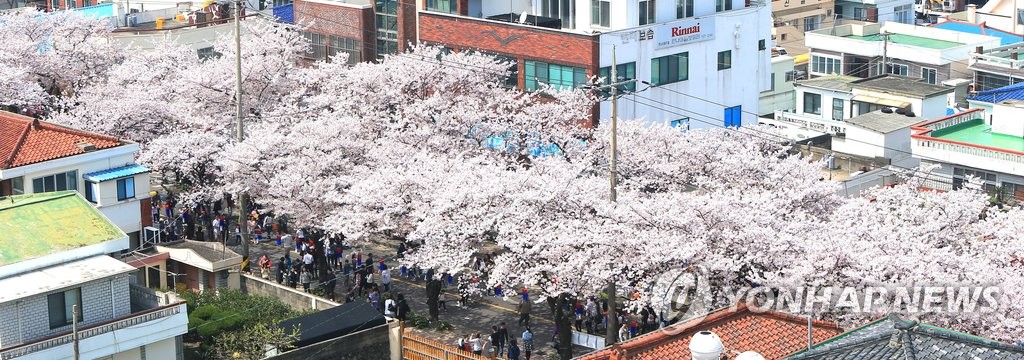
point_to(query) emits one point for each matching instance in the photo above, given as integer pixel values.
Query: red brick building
(364, 29)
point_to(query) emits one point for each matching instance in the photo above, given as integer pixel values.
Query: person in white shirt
(390, 308)
(385, 279)
(308, 260)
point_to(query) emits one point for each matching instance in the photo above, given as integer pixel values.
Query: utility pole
(74, 329)
(612, 333)
(241, 136)
(885, 53)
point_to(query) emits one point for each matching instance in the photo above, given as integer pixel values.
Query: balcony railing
(811, 122)
(923, 142)
(92, 330)
(1001, 56)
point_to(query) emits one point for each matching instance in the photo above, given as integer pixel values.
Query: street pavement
(478, 316)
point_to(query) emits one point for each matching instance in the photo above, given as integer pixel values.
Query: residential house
(1005, 37)
(824, 104)
(780, 95)
(987, 99)
(879, 11)
(57, 274)
(709, 60)
(895, 338)
(932, 54)
(996, 67)
(995, 13)
(201, 266)
(37, 157)
(881, 134)
(351, 27)
(769, 333)
(972, 143)
(794, 17)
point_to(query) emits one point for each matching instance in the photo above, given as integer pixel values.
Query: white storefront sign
(684, 32)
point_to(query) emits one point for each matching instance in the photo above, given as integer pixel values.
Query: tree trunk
(564, 325)
(433, 293)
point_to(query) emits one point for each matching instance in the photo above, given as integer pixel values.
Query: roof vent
(887, 110)
(749, 355)
(705, 345)
(86, 146)
(910, 114)
(901, 111)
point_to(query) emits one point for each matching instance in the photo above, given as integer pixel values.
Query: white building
(708, 70)
(878, 134)
(971, 143)
(64, 277)
(43, 157)
(901, 11)
(780, 96)
(932, 54)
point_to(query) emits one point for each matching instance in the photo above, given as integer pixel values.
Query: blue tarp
(285, 13)
(1005, 38)
(116, 173)
(95, 12)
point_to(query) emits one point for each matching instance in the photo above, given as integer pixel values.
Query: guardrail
(92, 330)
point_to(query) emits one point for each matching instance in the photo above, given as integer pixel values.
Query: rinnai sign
(684, 32)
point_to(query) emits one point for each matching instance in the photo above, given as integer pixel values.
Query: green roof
(41, 224)
(909, 40)
(978, 133)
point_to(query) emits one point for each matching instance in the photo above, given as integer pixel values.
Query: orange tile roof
(24, 140)
(772, 334)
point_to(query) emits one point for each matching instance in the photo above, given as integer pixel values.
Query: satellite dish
(522, 18)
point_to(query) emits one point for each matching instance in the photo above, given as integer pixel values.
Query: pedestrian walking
(527, 342)
(374, 299)
(304, 279)
(513, 350)
(497, 344)
(293, 278)
(477, 344)
(623, 332)
(502, 337)
(403, 308)
(385, 279)
(524, 309)
(390, 308)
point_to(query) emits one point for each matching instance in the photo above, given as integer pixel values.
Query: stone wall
(369, 344)
(297, 299)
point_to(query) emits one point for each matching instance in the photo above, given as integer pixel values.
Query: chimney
(705, 345)
(1013, 55)
(86, 146)
(979, 49)
(972, 13)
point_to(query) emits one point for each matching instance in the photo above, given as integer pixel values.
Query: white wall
(1008, 119)
(860, 141)
(782, 97)
(897, 144)
(827, 97)
(738, 31)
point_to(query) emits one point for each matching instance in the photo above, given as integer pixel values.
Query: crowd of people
(499, 343)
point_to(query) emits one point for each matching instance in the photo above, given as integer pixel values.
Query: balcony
(965, 139)
(108, 338)
(1008, 57)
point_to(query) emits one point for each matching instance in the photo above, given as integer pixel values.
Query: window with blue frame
(125, 188)
(670, 69)
(682, 124)
(560, 77)
(733, 116)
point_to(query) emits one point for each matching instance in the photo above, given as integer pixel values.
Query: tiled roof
(1011, 92)
(24, 140)
(1005, 38)
(893, 338)
(772, 334)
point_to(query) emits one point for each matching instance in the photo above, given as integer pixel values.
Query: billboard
(684, 32)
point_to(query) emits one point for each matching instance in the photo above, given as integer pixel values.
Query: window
(771, 82)
(904, 14)
(599, 13)
(625, 72)
(18, 185)
(724, 60)
(812, 103)
(387, 27)
(55, 5)
(826, 65)
(560, 9)
(858, 13)
(670, 69)
(928, 75)
(988, 180)
(560, 77)
(125, 188)
(722, 5)
(810, 23)
(89, 192)
(208, 53)
(733, 116)
(761, 44)
(684, 9)
(339, 45)
(61, 305)
(683, 124)
(70, 3)
(899, 69)
(445, 6)
(647, 12)
(512, 81)
(317, 45)
(837, 109)
(56, 182)
(792, 75)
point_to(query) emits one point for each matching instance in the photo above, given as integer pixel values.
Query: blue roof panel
(285, 13)
(116, 173)
(1011, 92)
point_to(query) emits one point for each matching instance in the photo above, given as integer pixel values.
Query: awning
(800, 59)
(880, 101)
(116, 173)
